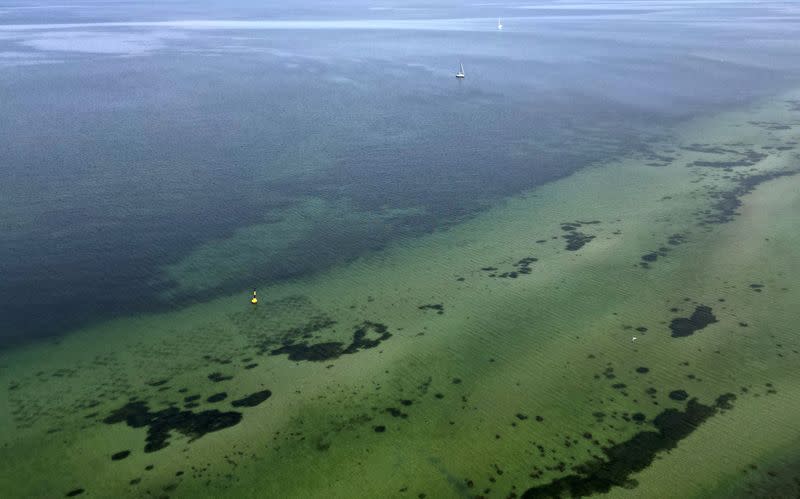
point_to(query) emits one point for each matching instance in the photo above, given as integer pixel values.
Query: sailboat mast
(460, 74)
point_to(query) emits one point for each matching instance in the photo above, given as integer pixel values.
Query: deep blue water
(125, 147)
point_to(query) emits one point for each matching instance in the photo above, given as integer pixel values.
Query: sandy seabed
(495, 358)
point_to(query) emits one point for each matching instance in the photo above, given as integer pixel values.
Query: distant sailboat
(460, 75)
(499, 24)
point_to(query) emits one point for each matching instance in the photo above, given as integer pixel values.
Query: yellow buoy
(254, 300)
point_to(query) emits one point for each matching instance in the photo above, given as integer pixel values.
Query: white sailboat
(499, 24)
(460, 74)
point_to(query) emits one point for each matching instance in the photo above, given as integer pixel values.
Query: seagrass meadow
(494, 357)
(572, 273)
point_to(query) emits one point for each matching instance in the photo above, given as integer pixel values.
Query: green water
(494, 396)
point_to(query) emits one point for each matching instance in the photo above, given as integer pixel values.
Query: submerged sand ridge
(492, 359)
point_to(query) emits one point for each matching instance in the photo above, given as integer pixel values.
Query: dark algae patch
(676, 239)
(521, 267)
(396, 413)
(316, 352)
(663, 251)
(253, 399)
(217, 377)
(576, 239)
(217, 397)
(621, 460)
(650, 257)
(120, 455)
(161, 423)
(366, 335)
(745, 158)
(318, 324)
(725, 204)
(678, 395)
(434, 306)
(700, 318)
